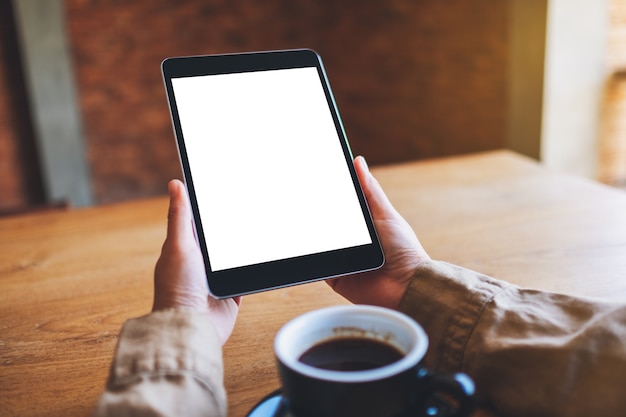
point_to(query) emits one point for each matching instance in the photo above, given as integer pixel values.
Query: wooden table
(68, 280)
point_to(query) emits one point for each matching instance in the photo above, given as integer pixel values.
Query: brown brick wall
(413, 79)
(20, 184)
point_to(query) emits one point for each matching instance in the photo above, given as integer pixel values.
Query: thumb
(377, 200)
(179, 224)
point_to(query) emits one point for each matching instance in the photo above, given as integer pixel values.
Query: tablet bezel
(281, 273)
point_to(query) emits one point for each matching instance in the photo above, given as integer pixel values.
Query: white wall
(575, 72)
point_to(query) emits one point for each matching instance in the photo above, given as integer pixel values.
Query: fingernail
(171, 188)
(365, 163)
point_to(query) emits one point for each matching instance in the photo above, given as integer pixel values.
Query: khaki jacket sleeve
(168, 363)
(531, 353)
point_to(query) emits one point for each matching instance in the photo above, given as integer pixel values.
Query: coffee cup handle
(445, 395)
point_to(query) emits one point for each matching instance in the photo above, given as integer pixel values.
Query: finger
(179, 226)
(377, 200)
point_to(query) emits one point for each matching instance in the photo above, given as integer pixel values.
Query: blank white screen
(269, 172)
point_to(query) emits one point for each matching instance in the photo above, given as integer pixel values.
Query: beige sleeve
(168, 363)
(531, 353)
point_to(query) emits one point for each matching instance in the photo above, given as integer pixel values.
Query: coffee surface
(351, 354)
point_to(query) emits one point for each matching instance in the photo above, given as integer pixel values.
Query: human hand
(179, 275)
(403, 251)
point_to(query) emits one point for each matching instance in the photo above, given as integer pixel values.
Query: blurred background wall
(413, 79)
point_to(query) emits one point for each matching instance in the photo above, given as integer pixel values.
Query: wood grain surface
(68, 280)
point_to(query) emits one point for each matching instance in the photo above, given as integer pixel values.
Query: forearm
(529, 352)
(166, 363)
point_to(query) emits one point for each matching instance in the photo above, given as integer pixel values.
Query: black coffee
(351, 354)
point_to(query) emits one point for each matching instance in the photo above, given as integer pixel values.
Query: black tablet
(275, 197)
